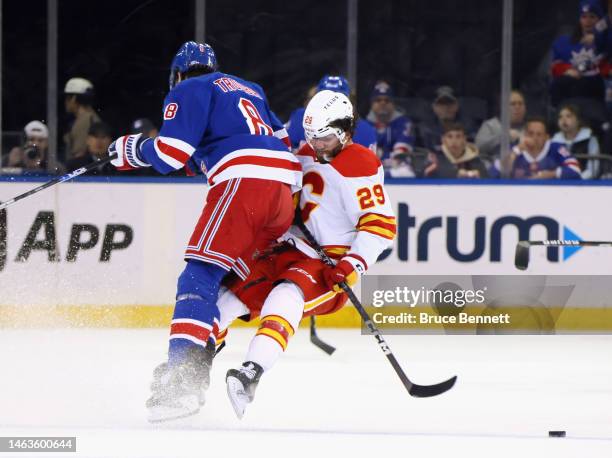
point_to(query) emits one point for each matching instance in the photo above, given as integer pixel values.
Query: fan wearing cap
(445, 109)
(394, 137)
(145, 127)
(364, 133)
(577, 66)
(31, 157)
(78, 102)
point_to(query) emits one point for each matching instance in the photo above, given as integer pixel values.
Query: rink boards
(108, 253)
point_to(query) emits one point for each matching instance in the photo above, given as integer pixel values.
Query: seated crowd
(446, 140)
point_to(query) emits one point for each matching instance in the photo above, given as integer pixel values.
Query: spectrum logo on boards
(489, 236)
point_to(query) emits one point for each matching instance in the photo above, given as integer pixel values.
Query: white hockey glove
(127, 149)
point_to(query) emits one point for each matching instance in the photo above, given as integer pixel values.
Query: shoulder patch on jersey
(170, 110)
(356, 161)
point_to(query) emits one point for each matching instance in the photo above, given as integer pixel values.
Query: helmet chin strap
(341, 136)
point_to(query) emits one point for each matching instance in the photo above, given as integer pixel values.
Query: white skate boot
(241, 385)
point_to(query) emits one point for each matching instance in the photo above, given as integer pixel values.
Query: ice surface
(511, 391)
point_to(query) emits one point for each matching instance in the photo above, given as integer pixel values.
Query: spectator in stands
(394, 137)
(144, 126)
(364, 133)
(578, 139)
(603, 44)
(488, 138)
(99, 138)
(603, 37)
(31, 157)
(457, 158)
(577, 66)
(537, 157)
(78, 101)
(446, 109)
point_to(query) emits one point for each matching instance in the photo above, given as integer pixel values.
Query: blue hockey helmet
(189, 55)
(334, 83)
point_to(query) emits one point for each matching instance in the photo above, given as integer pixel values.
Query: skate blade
(237, 396)
(160, 414)
(158, 417)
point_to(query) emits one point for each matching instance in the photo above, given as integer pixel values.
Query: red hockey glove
(127, 149)
(341, 272)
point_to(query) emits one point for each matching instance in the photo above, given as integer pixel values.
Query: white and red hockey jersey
(345, 206)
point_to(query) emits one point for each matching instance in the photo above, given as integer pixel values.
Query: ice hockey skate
(179, 391)
(241, 385)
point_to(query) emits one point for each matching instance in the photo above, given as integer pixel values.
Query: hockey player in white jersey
(345, 206)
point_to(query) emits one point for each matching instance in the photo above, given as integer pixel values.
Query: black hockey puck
(556, 433)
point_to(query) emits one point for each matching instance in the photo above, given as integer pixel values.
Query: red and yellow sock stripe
(277, 328)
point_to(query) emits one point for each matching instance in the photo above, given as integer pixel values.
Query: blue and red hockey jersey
(554, 156)
(395, 137)
(585, 58)
(222, 126)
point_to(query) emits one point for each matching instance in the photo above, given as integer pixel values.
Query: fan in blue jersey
(537, 157)
(364, 133)
(395, 138)
(578, 67)
(220, 125)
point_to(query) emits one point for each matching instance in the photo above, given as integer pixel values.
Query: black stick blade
(316, 340)
(427, 391)
(521, 256)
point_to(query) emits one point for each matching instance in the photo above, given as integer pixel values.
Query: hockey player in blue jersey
(537, 157)
(222, 126)
(364, 133)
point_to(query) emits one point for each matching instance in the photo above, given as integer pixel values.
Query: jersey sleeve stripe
(283, 135)
(170, 154)
(368, 217)
(385, 233)
(389, 226)
(335, 252)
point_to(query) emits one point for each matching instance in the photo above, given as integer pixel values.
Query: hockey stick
(61, 179)
(418, 391)
(521, 255)
(316, 340)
